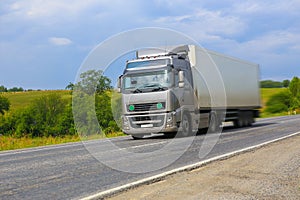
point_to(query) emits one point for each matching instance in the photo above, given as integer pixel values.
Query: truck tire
(214, 124)
(186, 125)
(137, 137)
(238, 123)
(245, 118)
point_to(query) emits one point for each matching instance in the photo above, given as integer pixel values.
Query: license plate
(146, 125)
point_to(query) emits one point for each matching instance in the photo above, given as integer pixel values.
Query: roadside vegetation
(37, 118)
(286, 101)
(34, 118)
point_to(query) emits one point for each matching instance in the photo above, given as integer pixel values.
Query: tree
(93, 81)
(4, 104)
(70, 86)
(16, 89)
(3, 89)
(47, 112)
(294, 87)
(104, 112)
(286, 83)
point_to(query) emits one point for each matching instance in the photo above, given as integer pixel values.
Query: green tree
(286, 83)
(3, 89)
(104, 112)
(84, 114)
(70, 86)
(16, 89)
(4, 104)
(93, 81)
(294, 87)
(95, 88)
(48, 110)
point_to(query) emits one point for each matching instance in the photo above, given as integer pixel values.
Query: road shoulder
(270, 172)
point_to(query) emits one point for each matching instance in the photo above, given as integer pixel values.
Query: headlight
(125, 123)
(170, 120)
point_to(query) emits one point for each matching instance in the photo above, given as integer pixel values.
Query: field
(23, 99)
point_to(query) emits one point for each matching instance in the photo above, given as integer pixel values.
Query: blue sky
(43, 43)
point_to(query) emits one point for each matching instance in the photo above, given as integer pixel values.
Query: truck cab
(156, 90)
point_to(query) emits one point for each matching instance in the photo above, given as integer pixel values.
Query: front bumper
(149, 123)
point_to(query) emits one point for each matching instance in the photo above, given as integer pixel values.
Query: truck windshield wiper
(159, 89)
(137, 90)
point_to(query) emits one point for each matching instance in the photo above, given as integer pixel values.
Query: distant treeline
(14, 89)
(274, 84)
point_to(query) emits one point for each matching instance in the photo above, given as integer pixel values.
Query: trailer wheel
(214, 124)
(186, 125)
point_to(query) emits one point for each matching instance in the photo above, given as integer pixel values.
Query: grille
(137, 122)
(146, 107)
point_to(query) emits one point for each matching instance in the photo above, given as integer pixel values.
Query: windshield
(148, 81)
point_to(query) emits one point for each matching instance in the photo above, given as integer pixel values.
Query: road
(70, 171)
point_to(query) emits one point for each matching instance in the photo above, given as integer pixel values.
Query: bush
(280, 102)
(4, 104)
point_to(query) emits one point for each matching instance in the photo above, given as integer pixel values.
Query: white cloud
(204, 21)
(273, 42)
(267, 7)
(59, 41)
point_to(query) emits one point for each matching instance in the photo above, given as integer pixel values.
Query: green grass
(23, 99)
(11, 143)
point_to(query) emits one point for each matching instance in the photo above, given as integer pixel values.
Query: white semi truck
(185, 88)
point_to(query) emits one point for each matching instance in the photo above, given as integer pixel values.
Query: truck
(181, 89)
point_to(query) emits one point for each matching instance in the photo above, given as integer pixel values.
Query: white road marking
(181, 169)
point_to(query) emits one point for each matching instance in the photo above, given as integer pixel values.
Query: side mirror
(119, 84)
(181, 79)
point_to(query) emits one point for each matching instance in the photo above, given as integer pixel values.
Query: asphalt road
(77, 170)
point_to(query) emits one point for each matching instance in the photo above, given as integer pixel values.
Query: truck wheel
(238, 123)
(250, 121)
(214, 125)
(137, 137)
(186, 125)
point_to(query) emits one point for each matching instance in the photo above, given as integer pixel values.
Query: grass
(11, 143)
(23, 99)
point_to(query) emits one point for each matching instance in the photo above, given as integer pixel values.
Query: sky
(43, 43)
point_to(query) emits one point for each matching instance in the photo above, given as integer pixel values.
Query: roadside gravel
(271, 172)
